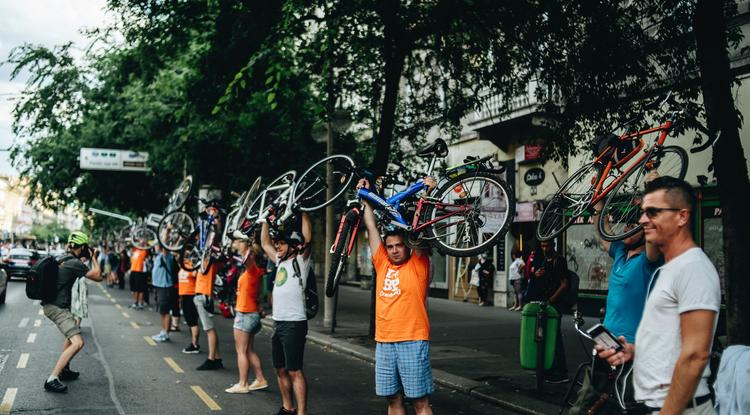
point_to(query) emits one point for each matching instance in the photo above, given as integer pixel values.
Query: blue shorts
(247, 322)
(403, 367)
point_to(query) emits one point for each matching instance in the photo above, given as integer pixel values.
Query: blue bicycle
(203, 245)
(469, 212)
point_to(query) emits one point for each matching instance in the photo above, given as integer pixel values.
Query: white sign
(494, 209)
(110, 159)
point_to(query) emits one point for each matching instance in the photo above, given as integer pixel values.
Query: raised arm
(306, 233)
(373, 234)
(95, 273)
(598, 211)
(265, 241)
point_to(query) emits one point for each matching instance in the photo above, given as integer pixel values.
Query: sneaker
(237, 388)
(256, 385)
(161, 337)
(68, 374)
(192, 349)
(133, 306)
(174, 328)
(211, 365)
(55, 386)
(140, 306)
(557, 379)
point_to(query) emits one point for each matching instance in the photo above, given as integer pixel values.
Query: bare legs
(292, 382)
(246, 357)
(396, 405)
(71, 347)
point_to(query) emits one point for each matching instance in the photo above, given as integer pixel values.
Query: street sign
(110, 159)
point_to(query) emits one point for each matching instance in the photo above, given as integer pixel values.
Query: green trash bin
(528, 334)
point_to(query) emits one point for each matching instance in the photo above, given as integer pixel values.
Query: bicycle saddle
(437, 148)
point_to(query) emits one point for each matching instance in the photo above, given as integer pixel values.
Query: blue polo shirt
(161, 276)
(628, 283)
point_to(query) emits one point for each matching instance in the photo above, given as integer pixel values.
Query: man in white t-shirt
(675, 334)
(291, 248)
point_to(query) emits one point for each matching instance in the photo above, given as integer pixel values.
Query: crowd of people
(664, 297)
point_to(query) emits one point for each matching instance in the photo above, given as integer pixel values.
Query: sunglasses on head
(652, 212)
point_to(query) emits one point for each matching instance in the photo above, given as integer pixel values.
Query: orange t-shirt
(248, 288)
(400, 301)
(204, 283)
(137, 258)
(186, 282)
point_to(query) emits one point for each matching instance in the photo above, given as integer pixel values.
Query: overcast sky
(45, 22)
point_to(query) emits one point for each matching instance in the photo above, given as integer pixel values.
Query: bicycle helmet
(283, 233)
(78, 238)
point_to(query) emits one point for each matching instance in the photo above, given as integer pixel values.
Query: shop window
(587, 258)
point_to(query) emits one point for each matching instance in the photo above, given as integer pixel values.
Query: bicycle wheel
(174, 230)
(311, 191)
(573, 198)
(622, 207)
(143, 237)
(190, 253)
(339, 256)
(485, 209)
(207, 253)
(232, 225)
(179, 197)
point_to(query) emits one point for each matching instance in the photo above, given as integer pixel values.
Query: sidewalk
(475, 350)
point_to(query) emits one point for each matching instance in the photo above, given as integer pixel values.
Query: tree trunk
(729, 162)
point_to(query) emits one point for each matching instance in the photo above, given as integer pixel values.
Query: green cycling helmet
(78, 238)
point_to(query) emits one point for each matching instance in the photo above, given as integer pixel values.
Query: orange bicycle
(616, 175)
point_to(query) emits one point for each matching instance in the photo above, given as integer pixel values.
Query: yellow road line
(112, 299)
(23, 361)
(37, 323)
(41, 312)
(119, 307)
(126, 315)
(149, 340)
(7, 404)
(173, 365)
(31, 338)
(135, 325)
(212, 405)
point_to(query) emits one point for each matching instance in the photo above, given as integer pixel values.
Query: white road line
(119, 307)
(24, 322)
(41, 312)
(37, 323)
(7, 404)
(126, 315)
(31, 338)
(22, 361)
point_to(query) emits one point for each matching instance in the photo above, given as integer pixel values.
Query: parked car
(18, 262)
(3, 285)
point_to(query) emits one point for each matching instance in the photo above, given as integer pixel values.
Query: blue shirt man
(161, 276)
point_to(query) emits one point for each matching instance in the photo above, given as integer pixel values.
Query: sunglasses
(652, 212)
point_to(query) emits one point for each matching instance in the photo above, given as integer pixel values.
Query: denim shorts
(247, 322)
(403, 367)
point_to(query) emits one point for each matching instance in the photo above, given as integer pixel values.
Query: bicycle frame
(600, 192)
(205, 220)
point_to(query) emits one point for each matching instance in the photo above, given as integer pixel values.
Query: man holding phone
(675, 334)
(72, 267)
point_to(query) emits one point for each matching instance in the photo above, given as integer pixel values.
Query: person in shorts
(138, 277)
(247, 316)
(402, 327)
(165, 291)
(515, 277)
(72, 268)
(204, 285)
(186, 288)
(290, 245)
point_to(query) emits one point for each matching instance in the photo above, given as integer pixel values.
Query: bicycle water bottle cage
(437, 148)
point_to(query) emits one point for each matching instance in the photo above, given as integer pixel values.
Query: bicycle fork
(353, 216)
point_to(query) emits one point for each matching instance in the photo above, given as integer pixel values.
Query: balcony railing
(495, 109)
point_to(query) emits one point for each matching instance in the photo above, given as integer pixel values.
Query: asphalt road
(123, 373)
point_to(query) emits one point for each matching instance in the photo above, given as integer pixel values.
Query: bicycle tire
(462, 188)
(174, 229)
(142, 237)
(622, 206)
(577, 192)
(308, 196)
(232, 225)
(180, 195)
(207, 256)
(190, 253)
(339, 255)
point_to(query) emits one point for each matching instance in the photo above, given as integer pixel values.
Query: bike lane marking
(173, 365)
(31, 338)
(24, 322)
(41, 312)
(210, 403)
(119, 307)
(149, 340)
(7, 404)
(135, 325)
(37, 323)
(126, 315)
(23, 360)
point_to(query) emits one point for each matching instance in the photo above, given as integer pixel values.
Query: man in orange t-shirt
(402, 328)
(138, 277)
(186, 289)
(204, 285)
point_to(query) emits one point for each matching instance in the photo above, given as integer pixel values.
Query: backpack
(41, 283)
(312, 302)
(569, 298)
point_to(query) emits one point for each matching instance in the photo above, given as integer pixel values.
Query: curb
(441, 377)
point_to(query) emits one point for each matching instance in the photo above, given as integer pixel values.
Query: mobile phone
(605, 338)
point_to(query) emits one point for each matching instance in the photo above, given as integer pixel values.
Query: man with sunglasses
(675, 334)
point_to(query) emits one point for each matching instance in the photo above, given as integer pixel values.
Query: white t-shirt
(514, 272)
(686, 283)
(288, 291)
